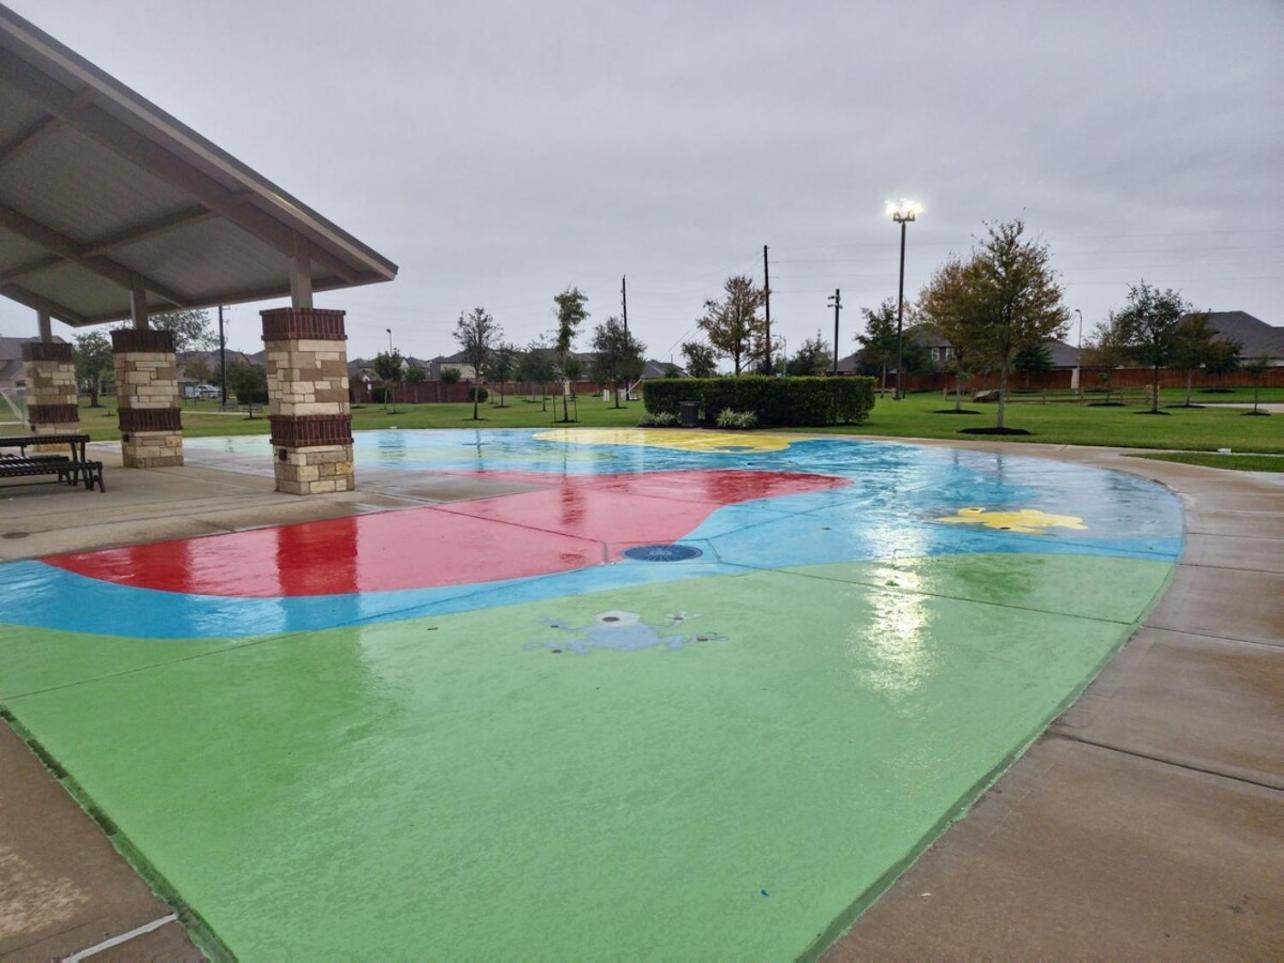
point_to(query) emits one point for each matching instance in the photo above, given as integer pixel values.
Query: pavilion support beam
(50, 372)
(27, 138)
(40, 303)
(147, 405)
(96, 123)
(44, 324)
(138, 307)
(66, 248)
(147, 230)
(300, 275)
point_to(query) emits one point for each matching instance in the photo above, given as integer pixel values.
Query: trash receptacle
(688, 413)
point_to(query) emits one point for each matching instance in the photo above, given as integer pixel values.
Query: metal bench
(65, 470)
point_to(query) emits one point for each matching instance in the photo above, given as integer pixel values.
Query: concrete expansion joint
(1060, 733)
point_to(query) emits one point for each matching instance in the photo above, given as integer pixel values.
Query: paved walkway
(1144, 822)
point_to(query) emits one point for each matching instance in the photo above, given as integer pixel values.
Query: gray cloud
(499, 151)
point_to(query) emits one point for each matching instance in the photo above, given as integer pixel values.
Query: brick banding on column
(52, 414)
(310, 431)
(303, 324)
(46, 351)
(145, 340)
(150, 419)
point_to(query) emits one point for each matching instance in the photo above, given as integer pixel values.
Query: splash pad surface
(691, 694)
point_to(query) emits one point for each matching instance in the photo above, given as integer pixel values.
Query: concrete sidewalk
(1146, 821)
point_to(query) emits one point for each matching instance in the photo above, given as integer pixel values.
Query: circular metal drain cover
(662, 553)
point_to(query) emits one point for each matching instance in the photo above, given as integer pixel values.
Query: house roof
(103, 193)
(1254, 335)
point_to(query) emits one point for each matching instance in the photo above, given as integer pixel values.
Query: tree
(1192, 347)
(193, 330)
(475, 331)
(414, 374)
(572, 371)
(813, 358)
(878, 340)
(1105, 351)
(944, 304)
(503, 366)
(1013, 298)
(1223, 356)
(93, 358)
(732, 324)
(1256, 368)
(1148, 324)
(536, 367)
(248, 382)
(450, 376)
(571, 313)
(391, 368)
(702, 360)
(197, 368)
(1033, 359)
(619, 356)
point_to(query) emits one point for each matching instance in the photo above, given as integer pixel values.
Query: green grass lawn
(1208, 459)
(1199, 429)
(1219, 396)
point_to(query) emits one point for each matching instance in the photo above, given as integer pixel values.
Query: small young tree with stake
(537, 368)
(475, 331)
(571, 313)
(1148, 324)
(945, 306)
(878, 340)
(503, 366)
(572, 371)
(1105, 351)
(1256, 369)
(391, 368)
(1192, 348)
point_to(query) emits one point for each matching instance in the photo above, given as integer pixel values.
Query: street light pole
(389, 330)
(1078, 358)
(902, 212)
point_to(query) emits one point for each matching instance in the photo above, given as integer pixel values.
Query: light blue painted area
(889, 511)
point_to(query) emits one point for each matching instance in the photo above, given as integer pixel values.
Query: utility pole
(624, 301)
(836, 299)
(766, 297)
(222, 357)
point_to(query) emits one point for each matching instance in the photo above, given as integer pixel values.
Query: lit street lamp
(902, 212)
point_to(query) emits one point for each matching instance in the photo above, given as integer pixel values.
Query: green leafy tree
(450, 376)
(571, 313)
(414, 374)
(702, 360)
(93, 358)
(1105, 351)
(1033, 359)
(572, 370)
(503, 366)
(732, 325)
(878, 340)
(390, 367)
(536, 368)
(1193, 347)
(193, 329)
(475, 332)
(1148, 324)
(813, 358)
(619, 356)
(944, 304)
(1223, 356)
(248, 382)
(1256, 369)
(1014, 298)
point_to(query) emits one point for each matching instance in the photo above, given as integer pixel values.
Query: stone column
(52, 399)
(307, 378)
(151, 427)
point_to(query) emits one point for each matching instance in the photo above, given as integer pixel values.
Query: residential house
(1254, 336)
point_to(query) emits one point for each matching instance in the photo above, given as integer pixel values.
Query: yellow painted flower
(674, 438)
(1029, 521)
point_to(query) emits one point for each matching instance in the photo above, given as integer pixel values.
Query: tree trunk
(476, 399)
(1154, 391)
(1003, 391)
(501, 393)
(884, 388)
(93, 392)
(566, 411)
(958, 391)
(617, 394)
(1190, 377)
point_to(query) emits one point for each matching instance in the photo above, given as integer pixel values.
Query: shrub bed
(773, 401)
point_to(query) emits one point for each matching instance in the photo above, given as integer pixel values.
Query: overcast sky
(498, 152)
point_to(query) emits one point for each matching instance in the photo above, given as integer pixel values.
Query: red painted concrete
(563, 527)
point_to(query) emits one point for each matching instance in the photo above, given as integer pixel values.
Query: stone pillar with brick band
(52, 399)
(307, 378)
(151, 427)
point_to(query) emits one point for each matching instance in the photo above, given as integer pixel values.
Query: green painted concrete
(454, 787)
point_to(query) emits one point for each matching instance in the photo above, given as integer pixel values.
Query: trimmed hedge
(776, 401)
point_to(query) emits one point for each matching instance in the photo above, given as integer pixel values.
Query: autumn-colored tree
(944, 305)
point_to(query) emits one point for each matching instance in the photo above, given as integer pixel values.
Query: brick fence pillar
(151, 427)
(53, 403)
(307, 377)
